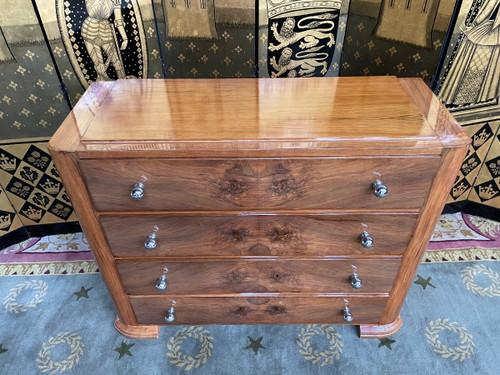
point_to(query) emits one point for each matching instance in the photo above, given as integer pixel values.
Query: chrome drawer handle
(170, 315)
(137, 191)
(161, 285)
(356, 281)
(379, 189)
(366, 240)
(346, 315)
(150, 242)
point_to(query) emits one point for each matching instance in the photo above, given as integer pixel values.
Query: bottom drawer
(257, 310)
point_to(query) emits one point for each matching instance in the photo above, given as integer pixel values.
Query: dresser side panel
(450, 163)
(69, 171)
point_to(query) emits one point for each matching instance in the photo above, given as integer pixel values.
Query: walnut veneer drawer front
(257, 310)
(258, 184)
(258, 276)
(259, 235)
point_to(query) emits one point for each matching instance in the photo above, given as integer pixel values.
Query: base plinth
(380, 331)
(137, 332)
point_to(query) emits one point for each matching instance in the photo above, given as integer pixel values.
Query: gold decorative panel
(9, 220)
(487, 187)
(32, 184)
(207, 38)
(482, 135)
(31, 101)
(396, 37)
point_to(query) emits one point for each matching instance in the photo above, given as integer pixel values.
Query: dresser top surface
(312, 112)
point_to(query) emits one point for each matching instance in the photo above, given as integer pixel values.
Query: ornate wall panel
(486, 190)
(32, 184)
(101, 40)
(207, 38)
(396, 37)
(31, 102)
(482, 134)
(300, 38)
(9, 219)
(469, 83)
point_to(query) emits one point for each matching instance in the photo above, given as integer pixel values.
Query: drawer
(257, 276)
(258, 184)
(257, 310)
(258, 235)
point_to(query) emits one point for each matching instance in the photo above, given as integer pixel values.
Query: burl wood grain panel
(257, 310)
(258, 235)
(256, 184)
(257, 276)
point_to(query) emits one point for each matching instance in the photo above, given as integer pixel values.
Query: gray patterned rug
(55, 324)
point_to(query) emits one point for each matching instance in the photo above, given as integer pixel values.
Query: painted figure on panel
(104, 39)
(301, 37)
(99, 36)
(474, 75)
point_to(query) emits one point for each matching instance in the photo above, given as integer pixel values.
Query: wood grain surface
(258, 276)
(223, 235)
(155, 110)
(73, 182)
(259, 184)
(257, 310)
(258, 191)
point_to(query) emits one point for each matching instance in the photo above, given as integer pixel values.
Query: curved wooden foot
(137, 332)
(380, 331)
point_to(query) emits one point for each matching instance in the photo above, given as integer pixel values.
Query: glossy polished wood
(254, 184)
(70, 174)
(259, 189)
(257, 310)
(137, 331)
(265, 109)
(348, 114)
(258, 276)
(205, 235)
(378, 331)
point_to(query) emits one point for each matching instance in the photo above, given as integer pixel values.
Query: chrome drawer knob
(137, 191)
(161, 285)
(346, 315)
(379, 189)
(150, 242)
(170, 315)
(356, 281)
(366, 240)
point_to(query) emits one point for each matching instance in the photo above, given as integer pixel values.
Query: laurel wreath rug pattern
(14, 307)
(184, 361)
(73, 340)
(325, 357)
(461, 352)
(469, 275)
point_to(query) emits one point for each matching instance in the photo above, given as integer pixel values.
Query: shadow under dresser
(258, 201)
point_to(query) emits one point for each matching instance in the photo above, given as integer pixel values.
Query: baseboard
(13, 237)
(51, 229)
(24, 233)
(473, 208)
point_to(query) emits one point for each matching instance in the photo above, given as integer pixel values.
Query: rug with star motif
(63, 324)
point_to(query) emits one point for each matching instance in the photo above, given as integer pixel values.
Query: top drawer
(258, 184)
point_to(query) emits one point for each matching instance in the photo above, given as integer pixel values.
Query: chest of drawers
(258, 201)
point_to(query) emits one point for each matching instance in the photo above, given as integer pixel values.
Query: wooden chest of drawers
(258, 201)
